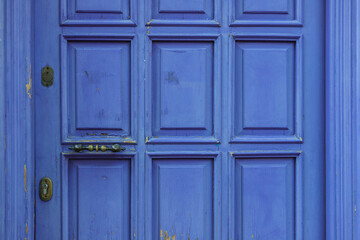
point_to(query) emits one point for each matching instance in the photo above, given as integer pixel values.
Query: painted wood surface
(341, 46)
(220, 108)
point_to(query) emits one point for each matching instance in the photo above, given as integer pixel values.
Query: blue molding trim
(17, 154)
(342, 110)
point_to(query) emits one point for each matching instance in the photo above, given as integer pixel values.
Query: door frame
(17, 163)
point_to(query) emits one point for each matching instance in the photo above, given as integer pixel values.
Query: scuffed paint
(29, 84)
(25, 178)
(166, 236)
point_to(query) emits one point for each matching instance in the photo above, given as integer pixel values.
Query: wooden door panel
(182, 198)
(219, 105)
(97, 89)
(94, 12)
(267, 89)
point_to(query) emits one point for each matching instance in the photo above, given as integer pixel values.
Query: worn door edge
(16, 125)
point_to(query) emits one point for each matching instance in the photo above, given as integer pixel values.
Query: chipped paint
(252, 235)
(147, 139)
(166, 236)
(25, 178)
(148, 29)
(29, 84)
(355, 210)
(129, 141)
(27, 228)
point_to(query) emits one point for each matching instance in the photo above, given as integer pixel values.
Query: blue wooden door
(218, 104)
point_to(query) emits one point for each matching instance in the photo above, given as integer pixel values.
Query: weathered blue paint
(187, 151)
(223, 125)
(16, 124)
(342, 118)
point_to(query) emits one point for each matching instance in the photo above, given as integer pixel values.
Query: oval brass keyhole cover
(47, 76)
(46, 189)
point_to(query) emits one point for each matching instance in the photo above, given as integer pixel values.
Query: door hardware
(47, 76)
(97, 148)
(46, 189)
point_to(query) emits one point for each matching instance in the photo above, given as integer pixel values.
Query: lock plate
(46, 189)
(47, 76)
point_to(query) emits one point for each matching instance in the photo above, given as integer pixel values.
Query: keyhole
(44, 187)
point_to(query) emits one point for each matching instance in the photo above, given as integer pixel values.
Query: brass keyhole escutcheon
(46, 189)
(47, 76)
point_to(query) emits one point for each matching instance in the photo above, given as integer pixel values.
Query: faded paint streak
(29, 84)
(25, 178)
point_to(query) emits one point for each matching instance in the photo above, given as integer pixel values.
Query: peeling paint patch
(29, 84)
(25, 178)
(27, 228)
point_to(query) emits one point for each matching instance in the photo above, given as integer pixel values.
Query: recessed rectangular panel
(99, 104)
(265, 6)
(182, 6)
(182, 88)
(96, 12)
(99, 5)
(263, 12)
(264, 88)
(99, 88)
(182, 10)
(182, 199)
(265, 198)
(99, 199)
